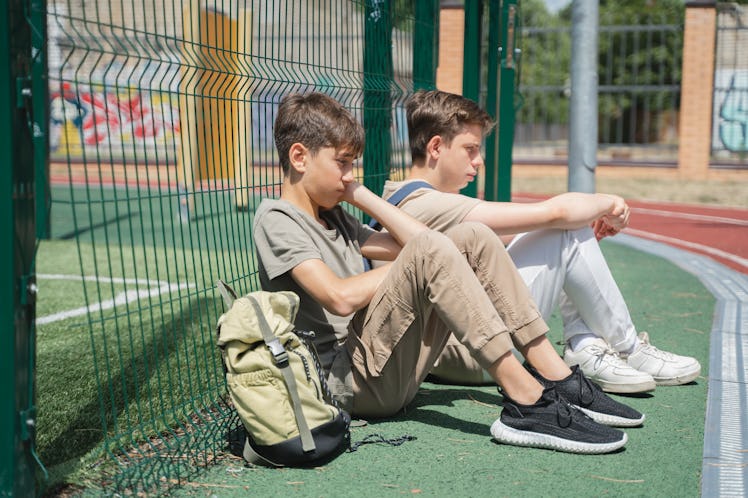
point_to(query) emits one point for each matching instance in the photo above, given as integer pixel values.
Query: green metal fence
(161, 116)
(19, 131)
(137, 138)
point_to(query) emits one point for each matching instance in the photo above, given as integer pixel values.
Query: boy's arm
(400, 226)
(343, 296)
(566, 211)
(339, 296)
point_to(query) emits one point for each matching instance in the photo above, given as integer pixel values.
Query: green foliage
(640, 49)
(544, 64)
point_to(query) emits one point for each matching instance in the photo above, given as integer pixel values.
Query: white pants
(567, 268)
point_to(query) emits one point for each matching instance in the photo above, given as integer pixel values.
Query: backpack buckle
(280, 356)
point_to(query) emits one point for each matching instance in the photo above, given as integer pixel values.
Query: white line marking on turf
(692, 245)
(156, 288)
(94, 278)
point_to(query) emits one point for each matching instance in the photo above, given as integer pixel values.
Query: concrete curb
(725, 458)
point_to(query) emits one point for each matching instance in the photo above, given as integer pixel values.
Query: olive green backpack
(274, 380)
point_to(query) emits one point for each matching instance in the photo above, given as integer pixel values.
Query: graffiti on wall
(730, 131)
(733, 115)
(87, 117)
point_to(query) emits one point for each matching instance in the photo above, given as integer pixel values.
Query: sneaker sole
(507, 435)
(641, 387)
(612, 420)
(677, 381)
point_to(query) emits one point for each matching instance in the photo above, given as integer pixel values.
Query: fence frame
(18, 290)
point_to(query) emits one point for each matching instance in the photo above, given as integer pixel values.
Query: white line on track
(668, 214)
(691, 245)
(691, 216)
(155, 289)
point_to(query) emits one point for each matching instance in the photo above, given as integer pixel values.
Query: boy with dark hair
(553, 243)
(380, 331)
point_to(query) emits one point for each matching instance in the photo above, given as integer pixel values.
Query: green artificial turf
(453, 455)
(110, 380)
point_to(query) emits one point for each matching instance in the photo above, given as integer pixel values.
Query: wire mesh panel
(639, 54)
(730, 105)
(161, 149)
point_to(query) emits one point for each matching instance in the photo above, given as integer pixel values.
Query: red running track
(718, 232)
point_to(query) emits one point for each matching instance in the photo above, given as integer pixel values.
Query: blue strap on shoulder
(396, 198)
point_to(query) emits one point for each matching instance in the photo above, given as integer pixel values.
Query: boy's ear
(297, 154)
(434, 147)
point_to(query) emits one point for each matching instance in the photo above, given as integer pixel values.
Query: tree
(640, 55)
(544, 65)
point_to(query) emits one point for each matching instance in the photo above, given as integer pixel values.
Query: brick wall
(449, 72)
(695, 128)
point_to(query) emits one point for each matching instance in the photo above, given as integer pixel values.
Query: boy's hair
(434, 112)
(315, 120)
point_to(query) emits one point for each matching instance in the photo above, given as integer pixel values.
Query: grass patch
(114, 378)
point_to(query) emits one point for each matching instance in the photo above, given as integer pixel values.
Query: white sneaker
(667, 369)
(603, 366)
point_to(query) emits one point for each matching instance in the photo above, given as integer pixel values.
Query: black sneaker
(555, 424)
(590, 398)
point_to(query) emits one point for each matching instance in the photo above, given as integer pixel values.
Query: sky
(555, 5)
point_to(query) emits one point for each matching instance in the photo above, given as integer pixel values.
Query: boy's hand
(618, 218)
(350, 191)
(602, 229)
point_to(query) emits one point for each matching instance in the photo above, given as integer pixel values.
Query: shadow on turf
(121, 387)
(416, 411)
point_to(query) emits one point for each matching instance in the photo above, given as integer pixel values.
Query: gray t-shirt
(284, 237)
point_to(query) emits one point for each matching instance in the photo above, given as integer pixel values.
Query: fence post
(506, 98)
(378, 73)
(17, 223)
(425, 42)
(40, 91)
(492, 102)
(500, 99)
(471, 64)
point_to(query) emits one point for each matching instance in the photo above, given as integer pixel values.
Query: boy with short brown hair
(553, 244)
(380, 331)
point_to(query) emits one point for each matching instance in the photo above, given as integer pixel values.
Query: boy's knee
(430, 241)
(471, 232)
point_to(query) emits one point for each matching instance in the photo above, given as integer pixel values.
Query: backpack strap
(396, 198)
(227, 293)
(280, 356)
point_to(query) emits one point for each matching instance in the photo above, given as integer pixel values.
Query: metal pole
(502, 65)
(17, 287)
(426, 42)
(492, 101)
(471, 64)
(378, 74)
(583, 110)
(506, 98)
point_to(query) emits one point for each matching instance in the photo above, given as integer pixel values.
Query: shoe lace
(606, 355)
(564, 411)
(587, 389)
(651, 350)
